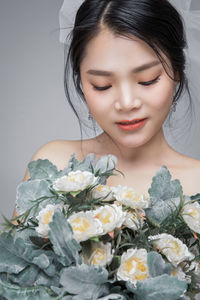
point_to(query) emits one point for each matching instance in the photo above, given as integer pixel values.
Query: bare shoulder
(189, 175)
(58, 152)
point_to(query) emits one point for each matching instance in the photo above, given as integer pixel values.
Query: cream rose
(44, 218)
(133, 266)
(128, 196)
(191, 216)
(85, 225)
(102, 191)
(75, 181)
(110, 216)
(173, 248)
(101, 254)
(134, 219)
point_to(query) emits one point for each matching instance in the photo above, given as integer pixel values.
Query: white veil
(190, 12)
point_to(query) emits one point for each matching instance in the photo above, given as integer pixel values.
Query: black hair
(156, 22)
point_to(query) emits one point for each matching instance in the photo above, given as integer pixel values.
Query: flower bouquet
(78, 239)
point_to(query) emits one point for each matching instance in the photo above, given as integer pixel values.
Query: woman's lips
(129, 125)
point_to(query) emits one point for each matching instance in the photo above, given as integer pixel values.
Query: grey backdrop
(33, 106)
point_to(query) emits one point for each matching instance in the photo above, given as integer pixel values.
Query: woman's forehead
(111, 49)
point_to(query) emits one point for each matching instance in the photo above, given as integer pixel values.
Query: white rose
(133, 266)
(85, 225)
(44, 218)
(75, 181)
(110, 216)
(191, 215)
(134, 219)
(101, 254)
(102, 191)
(128, 196)
(172, 248)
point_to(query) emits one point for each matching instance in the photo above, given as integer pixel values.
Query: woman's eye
(146, 83)
(101, 88)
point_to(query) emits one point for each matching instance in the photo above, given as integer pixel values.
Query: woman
(128, 66)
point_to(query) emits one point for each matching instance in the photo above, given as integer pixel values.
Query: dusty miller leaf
(163, 187)
(84, 280)
(43, 169)
(156, 264)
(164, 195)
(113, 297)
(10, 260)
(29, 194)
(14, 291)
(26, 277)
(16, 255)
(61, 237)
(87, 164)
(106, 163)
(161, 287)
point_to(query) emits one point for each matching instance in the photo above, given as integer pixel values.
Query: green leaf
(26, 234)
(31, 193)
(26, 277)
(43, 169)
(163, 187)
(105, 164)
(86, 281)
(33, 276)
(161, 287)
(160, 211)
(113, 297)
(14, 291)
(45, 280)
(61, 237)
(164, 196)
(10, 260)
(16, 255)
(72, 163)
(156, 265)
(87, 164)
(195, 197)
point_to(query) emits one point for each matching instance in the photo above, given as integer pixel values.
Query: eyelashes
(144, 83)
(101, 88)
(150, 82)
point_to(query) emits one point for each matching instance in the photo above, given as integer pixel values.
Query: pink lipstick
(131, 125)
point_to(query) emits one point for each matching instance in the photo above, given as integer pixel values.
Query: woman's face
(123, 80)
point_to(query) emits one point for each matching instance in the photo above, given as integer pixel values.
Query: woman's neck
(155, 152)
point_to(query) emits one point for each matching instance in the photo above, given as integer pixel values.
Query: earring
(90, 117)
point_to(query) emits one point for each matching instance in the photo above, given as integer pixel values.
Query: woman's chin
(131, 143)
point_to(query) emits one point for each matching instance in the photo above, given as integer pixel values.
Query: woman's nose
(127, 100)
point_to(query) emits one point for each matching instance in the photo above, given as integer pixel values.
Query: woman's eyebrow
(135, 70)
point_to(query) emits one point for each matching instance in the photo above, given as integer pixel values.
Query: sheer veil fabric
(191, 19)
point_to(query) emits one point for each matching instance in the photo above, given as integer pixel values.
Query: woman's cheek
(97, 101)
(162, 97)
